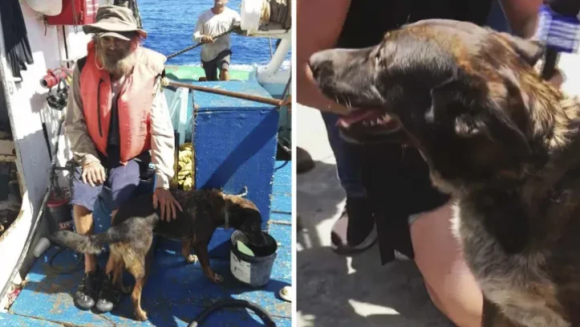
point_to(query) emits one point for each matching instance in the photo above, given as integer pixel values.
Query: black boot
(109, 296)
(86, 294)
(355, 230)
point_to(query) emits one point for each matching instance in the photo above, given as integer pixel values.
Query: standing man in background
(215, 53)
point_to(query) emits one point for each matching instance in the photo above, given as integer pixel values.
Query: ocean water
(170, 25)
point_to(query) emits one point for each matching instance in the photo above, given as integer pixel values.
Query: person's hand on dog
(163, 199)
(93, 173)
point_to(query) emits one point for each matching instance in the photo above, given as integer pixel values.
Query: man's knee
(124, 181)
(81, 211)
(84, 195)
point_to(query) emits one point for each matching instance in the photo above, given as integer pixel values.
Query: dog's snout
(317, 61)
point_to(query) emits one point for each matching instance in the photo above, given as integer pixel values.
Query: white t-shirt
(210, 24)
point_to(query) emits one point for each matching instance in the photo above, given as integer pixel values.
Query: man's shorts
(221, 62)
(122, 180)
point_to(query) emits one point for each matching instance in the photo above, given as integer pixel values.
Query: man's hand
(93, 173)
(167, 202)
(237, 28)
(207, 39)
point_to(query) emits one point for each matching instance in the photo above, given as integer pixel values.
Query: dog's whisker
(349, 103)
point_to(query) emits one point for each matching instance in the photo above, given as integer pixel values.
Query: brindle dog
(131, 234)
(501, 140)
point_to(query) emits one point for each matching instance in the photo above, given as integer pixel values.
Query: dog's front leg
(493, 317)
(203, 256)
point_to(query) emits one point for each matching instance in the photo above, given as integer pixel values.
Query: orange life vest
(133, 104)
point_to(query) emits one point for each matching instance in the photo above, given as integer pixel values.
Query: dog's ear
(529, 50)
(505, 128)
(478, 116)
(448, 106)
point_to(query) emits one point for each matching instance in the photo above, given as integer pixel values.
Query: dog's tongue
(358, 115)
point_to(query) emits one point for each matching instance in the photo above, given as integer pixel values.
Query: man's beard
(117, 62)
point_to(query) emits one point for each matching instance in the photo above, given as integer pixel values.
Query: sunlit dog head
(467, 97)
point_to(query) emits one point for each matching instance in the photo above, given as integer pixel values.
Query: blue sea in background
(170, 25)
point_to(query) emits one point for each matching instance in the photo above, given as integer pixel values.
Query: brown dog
(504, 142)
(131, 233)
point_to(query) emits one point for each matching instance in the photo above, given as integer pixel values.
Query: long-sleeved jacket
(162, 136)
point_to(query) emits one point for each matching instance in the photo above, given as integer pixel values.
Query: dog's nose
(317, 61)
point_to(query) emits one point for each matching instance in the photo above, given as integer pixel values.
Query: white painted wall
(27, 105)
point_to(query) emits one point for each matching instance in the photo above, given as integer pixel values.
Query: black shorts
(221, 62)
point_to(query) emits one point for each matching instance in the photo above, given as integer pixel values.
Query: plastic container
(253, 271)
(59, 214)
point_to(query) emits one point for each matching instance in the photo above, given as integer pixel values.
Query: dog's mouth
(374, 121)
(371, 126)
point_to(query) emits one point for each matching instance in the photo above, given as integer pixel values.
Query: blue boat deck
(175, 291)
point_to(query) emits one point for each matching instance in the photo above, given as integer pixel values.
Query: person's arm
(75, 128)
(237, 18)
(316, 32)
(198, 31)
(236, 23)
(522, 16)
(162, 139)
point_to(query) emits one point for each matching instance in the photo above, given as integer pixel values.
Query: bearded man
(117, 118)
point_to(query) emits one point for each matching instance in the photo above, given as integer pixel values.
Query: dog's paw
(217, 279)
(192, 258)
(141, 315)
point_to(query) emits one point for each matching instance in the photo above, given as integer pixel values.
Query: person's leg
(448, 280)
(497, 19)
(224, 66)
(123, 181)
(359, 235)
(210, 69)
(83, 200)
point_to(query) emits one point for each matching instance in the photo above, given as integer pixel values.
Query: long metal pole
(232, 94)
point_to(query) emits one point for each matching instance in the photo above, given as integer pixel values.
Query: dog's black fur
(502, 141)
(131, 233)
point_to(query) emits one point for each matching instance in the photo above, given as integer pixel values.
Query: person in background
(216, 52)
(388, 188)
(117, 119)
